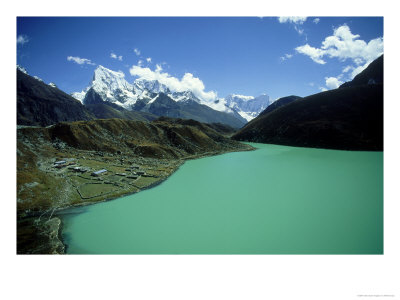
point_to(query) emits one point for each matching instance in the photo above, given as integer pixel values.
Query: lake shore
(276, 200)
(44, 223)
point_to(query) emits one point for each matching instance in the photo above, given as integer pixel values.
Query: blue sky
(240, 55)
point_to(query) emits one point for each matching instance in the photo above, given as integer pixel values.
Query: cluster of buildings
(134, 169)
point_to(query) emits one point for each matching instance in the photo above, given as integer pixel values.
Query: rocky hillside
(164, 139)
(349, 118)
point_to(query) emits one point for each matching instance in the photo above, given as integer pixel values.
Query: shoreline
(56, 212)
(60, 236)
(152, 185)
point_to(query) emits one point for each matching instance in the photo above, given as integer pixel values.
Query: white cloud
(351, 71)
(158, 68)
(137, 51)
(295, 20)
(115, 56)
(140, 63)
(359, 69)
(314, 53)
(355, 70)
(286, 56)
(148, 59)
(316, 20)
(333, 82)
(187, 82)
(299, 29)
(323, 89)
(80, 61)
(22, 39)
(344, 45)
(347, 69)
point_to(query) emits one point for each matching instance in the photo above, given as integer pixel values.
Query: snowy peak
(185, 96)
(153, 86)
(234, 98)
(107, 80)
(79, 95)
(110, 86)
(248, 107)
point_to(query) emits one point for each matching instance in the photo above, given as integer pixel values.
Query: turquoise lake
(275, 200)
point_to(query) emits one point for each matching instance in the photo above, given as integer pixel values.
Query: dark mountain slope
(222, 128)
(43, 105)
(373, 74)
(278, 103)
(348, 118)
(107, 110)
(205, 127)
(189, 109)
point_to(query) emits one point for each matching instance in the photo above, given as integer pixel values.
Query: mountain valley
(56, 166)
(116, 138)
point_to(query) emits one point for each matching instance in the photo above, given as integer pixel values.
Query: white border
(200, 277)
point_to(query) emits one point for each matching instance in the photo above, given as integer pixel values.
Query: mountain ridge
(110, 85)
(346, 118)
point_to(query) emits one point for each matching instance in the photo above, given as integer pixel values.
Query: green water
(275, 200)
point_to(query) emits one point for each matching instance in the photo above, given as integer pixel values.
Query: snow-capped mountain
(248, 107)
(153, 86)
(111, 86)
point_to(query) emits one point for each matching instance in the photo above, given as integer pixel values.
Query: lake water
(275, 200)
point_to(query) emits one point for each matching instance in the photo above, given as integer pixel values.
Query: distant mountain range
(349, 117)
(109, 95)
(156, 98)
